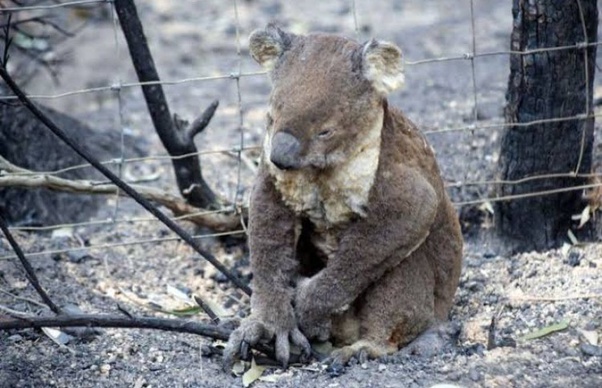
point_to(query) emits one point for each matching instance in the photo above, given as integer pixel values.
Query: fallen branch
(14, 176)
(131, 322)
(117, 321)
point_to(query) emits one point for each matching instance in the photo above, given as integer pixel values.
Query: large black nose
(285, 151)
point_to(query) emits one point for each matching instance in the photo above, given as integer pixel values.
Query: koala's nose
(285, 151)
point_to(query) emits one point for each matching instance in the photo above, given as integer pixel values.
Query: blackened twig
(201, 122)
(491, 335)
(117, 321)
(187, 170)
(31, 275)
(7, 40)
(118, 182)
(205, 307)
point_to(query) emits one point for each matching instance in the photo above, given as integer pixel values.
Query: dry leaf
(572, 237)
(62, 233)
(179, 294)
(57, 336)
(487, 207)
(254, 373)
(584, 217)
(591, 336)
(566, 247)
(274, 378)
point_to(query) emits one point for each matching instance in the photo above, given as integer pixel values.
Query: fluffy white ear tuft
(382, 65)
(267, 45)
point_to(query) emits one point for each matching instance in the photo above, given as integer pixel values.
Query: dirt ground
(191, 39)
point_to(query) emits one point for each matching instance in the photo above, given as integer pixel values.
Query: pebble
(591, 350)
(382, 367)
(365, 365)
(474, 374)
(574, 259)
(105, 368)
(78, 256)
(15, 338)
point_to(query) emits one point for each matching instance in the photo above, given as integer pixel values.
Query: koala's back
(405, 147)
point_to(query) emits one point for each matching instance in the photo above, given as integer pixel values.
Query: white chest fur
(331, 198)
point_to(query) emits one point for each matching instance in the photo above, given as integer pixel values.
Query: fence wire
(118, 85)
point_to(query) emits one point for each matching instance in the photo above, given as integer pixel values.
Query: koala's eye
(326, 133)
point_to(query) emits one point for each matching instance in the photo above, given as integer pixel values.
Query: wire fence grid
(118, 85)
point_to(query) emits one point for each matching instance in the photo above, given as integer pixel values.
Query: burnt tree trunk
(177, 138)
(547, 85)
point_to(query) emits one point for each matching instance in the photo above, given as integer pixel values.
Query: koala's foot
(253, 331)
(362, 350)
(433, 341)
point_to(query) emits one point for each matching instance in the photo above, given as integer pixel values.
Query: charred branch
(215, 332)
(13, 176)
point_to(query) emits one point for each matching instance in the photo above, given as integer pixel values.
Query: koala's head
(328, 94)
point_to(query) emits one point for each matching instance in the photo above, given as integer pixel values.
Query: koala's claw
(252, 331)
(249, 333)
(282, 345)
(244, 350)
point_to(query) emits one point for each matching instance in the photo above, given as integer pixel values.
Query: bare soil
(524, 293)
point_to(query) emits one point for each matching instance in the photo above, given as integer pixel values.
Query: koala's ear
(267, 45)
(382, 65)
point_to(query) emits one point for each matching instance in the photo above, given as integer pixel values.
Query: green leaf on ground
(184, 312)
(544, 331)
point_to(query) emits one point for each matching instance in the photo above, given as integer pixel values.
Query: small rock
(477, 348)
(15, 338)
(78, 256)
(489, 255)
(506, 342)
(591, 350)
(454, 376)
(365, 365)
(335, 369)
(474, 374)
(105, 368)
(158, 358)
(382, 367)
(574, 259)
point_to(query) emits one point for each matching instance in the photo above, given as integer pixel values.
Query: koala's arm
(272, 238)
(272, 235)
(398, 222)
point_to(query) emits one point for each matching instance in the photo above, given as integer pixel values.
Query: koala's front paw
(311, 321)
(253, 330)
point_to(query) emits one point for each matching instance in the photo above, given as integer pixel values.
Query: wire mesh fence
(117, 86)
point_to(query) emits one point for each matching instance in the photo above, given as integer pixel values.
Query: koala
(352, 236)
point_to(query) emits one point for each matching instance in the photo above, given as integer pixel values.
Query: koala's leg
(395, 310)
